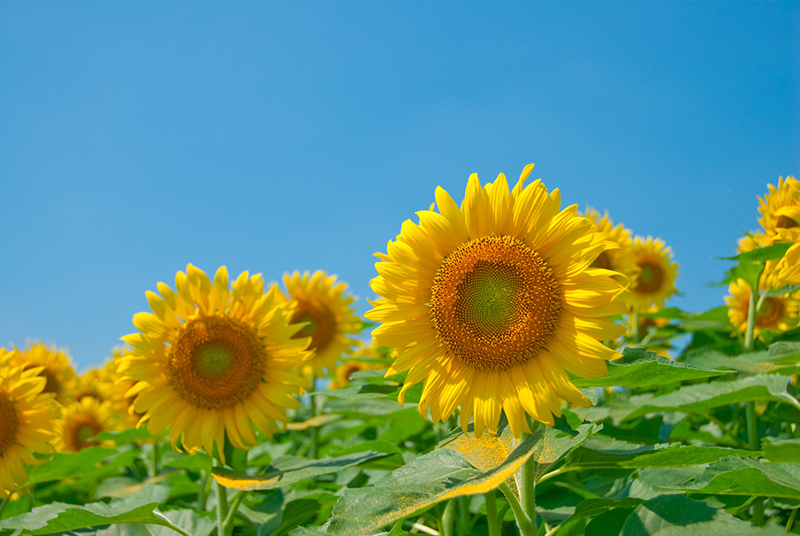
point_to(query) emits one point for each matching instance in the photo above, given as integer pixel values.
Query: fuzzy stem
(448, 517)
(526, 527)
(222, 507)
(203, 493)
(527, 481)
(237, 500)
(792, 517)
(495, 525)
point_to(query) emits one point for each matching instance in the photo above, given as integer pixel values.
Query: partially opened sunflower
(490, 303)
(211, 361)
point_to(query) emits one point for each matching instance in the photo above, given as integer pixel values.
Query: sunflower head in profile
(780, 211)
(777, 313)
(654, 279)
(211, 361)
(56, 368)
(26, 417)
(114, 389)
(328, 316)
(81, 420)
(617, 259)
(490, 303)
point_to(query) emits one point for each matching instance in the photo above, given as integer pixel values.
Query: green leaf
(188, 520)
(286, 470)
(441, 475)
(393, 459)
(640, 368)
(199, 461)
(788, 289)
(729, 476)
(608, 523)
(60, 517)
(131, 435)
(695, 398)
(781, 450)
(762, 254)
(600, 452)
(63, 466)
(751, 363)
(670, 515)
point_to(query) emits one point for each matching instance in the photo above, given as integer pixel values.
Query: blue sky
(136, 137)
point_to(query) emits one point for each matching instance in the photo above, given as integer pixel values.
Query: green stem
(167, 523)
(635, 326)
(237, 500)
(3, 505)
(792, 517)
(526, 527)
(222, 507)
(527, 481)
(495, 525)
(752, 315)
(155, 459)
(314, 429)
(448, 517)
(202, 495)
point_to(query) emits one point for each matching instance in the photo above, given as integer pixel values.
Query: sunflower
(654, 280)
(211, 362)
(26, 416)
(328, 314)
(82, 420)
(780, 210)
(489, 303)
(57, 369)
(778, 313)
(618, 259)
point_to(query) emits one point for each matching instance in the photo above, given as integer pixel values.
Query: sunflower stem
(202, 494)
(222, 507)
(237, 500)
(635, 327)
(527, 480)
(751, 420)
(752, 314)
(495, 525)
(463, 516)
(448, 517)
(792, 517)
(526, 527)
(314, 429)
(3, 504)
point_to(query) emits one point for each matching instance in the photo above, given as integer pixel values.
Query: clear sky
(136, 137)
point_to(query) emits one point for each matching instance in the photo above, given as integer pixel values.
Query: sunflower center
(650, 277)
(320, 324)
(495, 303)
(770, 312)
(785, 222)
(9, 422)
(216, 362)
(83, 428)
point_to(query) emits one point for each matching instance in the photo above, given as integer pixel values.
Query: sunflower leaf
(59, 517)
(440, 475)
(695, 399)
(641, 368)
(286, 470)
(677, 514)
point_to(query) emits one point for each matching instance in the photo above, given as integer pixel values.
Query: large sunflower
(618, 259)
(56, 368)
(82, 420)
(777, 313)
(489, 303)
(211, 362)
(26, 418)
(654, 280)
(328, 314)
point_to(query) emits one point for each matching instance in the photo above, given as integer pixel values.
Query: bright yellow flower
(618, 259)
(329, 316)
(115, 388)
(780, 211)
(778, 313)
(211, 361)
(489, 303)
(654, 280)
(26, 418)
(81, 421)
(89, 385)
(57, 369)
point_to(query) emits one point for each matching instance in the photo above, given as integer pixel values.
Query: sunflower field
(520, 371)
